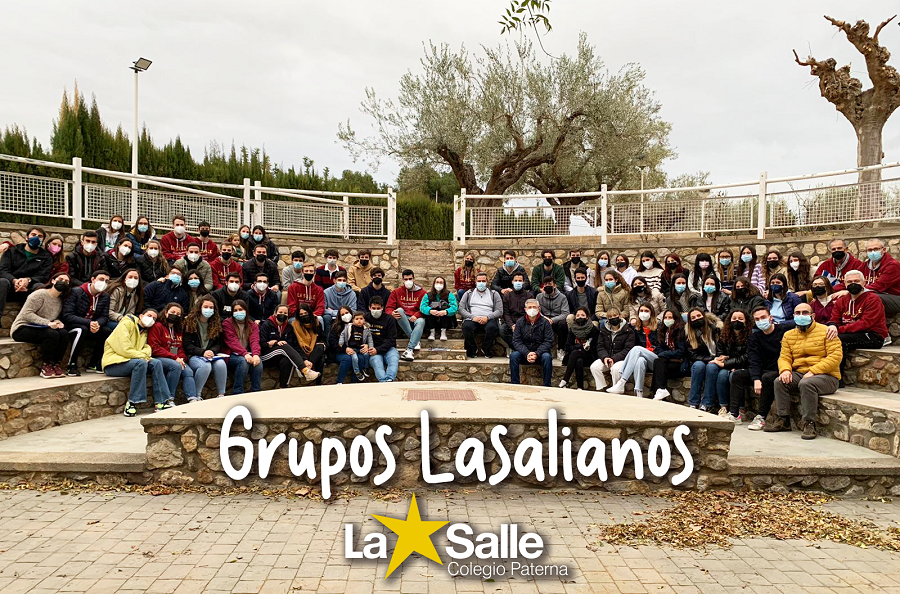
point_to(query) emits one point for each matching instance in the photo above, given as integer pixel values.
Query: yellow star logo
(414, 536)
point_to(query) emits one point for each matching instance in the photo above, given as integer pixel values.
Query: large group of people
(182, 307)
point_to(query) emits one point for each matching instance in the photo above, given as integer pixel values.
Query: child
(358, 344)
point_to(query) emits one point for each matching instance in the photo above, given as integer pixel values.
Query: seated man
(555, 307)
(809, 364)
(582, 294)
(193, 262)
(85, 259)
(839, 264)
(259, 263)
(294, 271)
(171, 289)
(85, 313)
(532, 341)
(174, 243)
(857, 318)
(384, 336)
(480, 309)
(547, 268)
(24, 268)
(375, 288)
(325, 273)
(573, 264)
(503, 278)
(230, 293)
(403, 305)
(883, 276)
(336, 296)
(615, 339)
(360, 273)
(763, 350)
(224, 265)
(209, 251)
(514, 306)
(306, 291)
(262, 301)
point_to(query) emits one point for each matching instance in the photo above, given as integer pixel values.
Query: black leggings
(317, 358)
(578, 360)
(53, 341)
(438, 322)
(663, 369)
(737, 395)
(288, 361)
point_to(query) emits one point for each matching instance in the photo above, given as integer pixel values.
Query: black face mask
(638, 289)
(376, 280)
(173, 318)
(819, 291)
(470, 263)
(548, 261)
(741, 293)
(698, 324)
(363, 263)
(308, 275)
(581, 321)
(614, 322)
(838, 255)
(772, 264)
(672, 266)
(548, 290)
(226, 256)
(621, 264)
(281, 317)
(61, 286)
(854, 288)
(738, 326)
(260, 258)
(303, 318)
(576, 259)
(204, 232)
(581, 282)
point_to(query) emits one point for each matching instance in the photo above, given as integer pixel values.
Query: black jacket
(748, 304)
(701, 353)
(262, 306)
(503, 279)
(721, 307)
(271, 249)
(224, 300)
(150, 270)
(384, 332)
(616, 346)
(251, 268)
(573, 343)
(534, 337)
(269, 330)
(77, 304)
(735, 353)
(82, 266)
(15, 264)
(159, 294)
(117, 268)
(675, 350)
(591, 293)
(369, 291)
(191, 343)
(514, 305)
(763, 351)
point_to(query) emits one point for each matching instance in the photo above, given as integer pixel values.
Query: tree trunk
(870, 200)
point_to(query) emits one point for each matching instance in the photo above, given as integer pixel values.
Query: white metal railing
(805, 201)
(279, 210)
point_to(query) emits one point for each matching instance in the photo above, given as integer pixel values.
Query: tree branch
(837, 86)
(881, 26)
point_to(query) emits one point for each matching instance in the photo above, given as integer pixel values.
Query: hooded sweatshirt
(174, 247)
(554, 307)
(865, 314)
(334, 300)
(405, 299)
(885, 278)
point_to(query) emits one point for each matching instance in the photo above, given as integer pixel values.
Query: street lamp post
(140, 65)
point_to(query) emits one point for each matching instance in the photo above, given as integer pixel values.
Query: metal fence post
(702, 217)
(346, 218)
(604, 204)
(462, 216)
(761, 206)
(257, 204)
(455, 217)
(642, 214)
(76, 193)
(391, 217)
(246, 219)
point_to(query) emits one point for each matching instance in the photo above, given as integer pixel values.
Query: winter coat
(260, 307)
(224, 300)
(128, 341)
(116, 267)
(533, 336)
(82, 266)
(503, 279)
(139, 244)
(810, 350)
(201, 267)
(81, 308)
(569, 272)
(271, 329)
(748, 304)
(252, 268)
(119, 307)
(721, 307)
(513, 304)
(572, 297)
(865, 314)
(735, 353)
(656, 300)
(15, 264)
(616, 345)
(606, 301)
(790, 301)
(555, 306)
(150, 270)
(702, 352)
(157, 294)
(671, 345)
(271, 249)
(588, 344)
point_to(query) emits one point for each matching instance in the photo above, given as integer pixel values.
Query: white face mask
(147, 321)
(644, 316)
(648, 264)
(193, 257)
(131, 283)
(89, 247)
(438, 287)
(233, 287)
(532, 312)
(376, 313)
(152, 253)
(115, 225)
(179, 229)
(261, 287)
(331, 262)
(99, 286)
(409, 284)
(124, 250)
(795, 265)
(346, 318)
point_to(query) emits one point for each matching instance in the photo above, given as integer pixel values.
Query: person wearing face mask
(375, 288)
(337, 295)
(580, 347)
(262, 301)
(306, 291)
(309, 341)
(576, 263)
(642, 293)
(341, 320)
(642, 355)
(464, 276)
(259, 263)
(480, 310)
(439, 308)
(712, 300)
(679, 296)
(732, 361)
(39, 323)
(614, 293)
(85, 313)
(726, 270)
(385, 360)
(203, 341)
(820, 297)
(883, 275)
(174, 244)
(798, 272)
(763, 350)
(85, 259)
(532, 341)
(555, 307)
(748, 265)
(55, 246)
(615, 339)
(774, 264)
(672, 266)
(209, 251)
(170, 289)
(780, 301)
(166, 342)
(226, 264)
(141, 234)
(24, 268)
(109, 234)
(241, 338)
(360, 273)
(278, 342)
(194, 287)
(513, 303)
(622, 267)
(547, 267)
(650, 270)
(702, 335)
(325, 273)
(120, 258)
(403, 306)
(840, 262)
(582, 295)
(670, 360)
(126, 296)
(604, 264)
(127, 354)
(857, 319)
(228, 294)
(293, 272)
(258, 237)
(703, 269)
(503, 278)
(152, 265)
(356, 344)
(809, 364)
(745, 295)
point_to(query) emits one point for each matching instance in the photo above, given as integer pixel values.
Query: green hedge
(419, 217)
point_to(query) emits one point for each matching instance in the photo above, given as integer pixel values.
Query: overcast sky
(282, 74)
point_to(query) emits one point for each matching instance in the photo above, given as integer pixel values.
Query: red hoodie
(174, 248)
(408, 301)
(885, 278)
(866, 314)
(209, 251)
(221, 270)
(828, 268)
(165, 342)
(312, 295)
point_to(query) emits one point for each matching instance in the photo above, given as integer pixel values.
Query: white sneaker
(560, 354)
(431, 335)
(408, 355)
(617, 388)
(562, 383)
(443, 334)
(418, 346)
(639, 393)
(661, 394)
(310, 374)
(758, 423)
(733, 419)
(723, 411)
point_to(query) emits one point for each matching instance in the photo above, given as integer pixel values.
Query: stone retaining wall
(872, 428)
(876, 370)
(834, 482)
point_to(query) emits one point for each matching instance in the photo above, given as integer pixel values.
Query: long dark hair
(668, 274)
(337, 324)
(674, 296)
(783, 279)
(746, 268)
(118, 256)
(213, 324)
(138, 290)
(663, 332)
(728, 333)
(647, 254)
(752, 290)
(165, 318)
(142, 237)
(700, 274)
(800, 277)
(306, 308)
(63, 294)
(433, 295)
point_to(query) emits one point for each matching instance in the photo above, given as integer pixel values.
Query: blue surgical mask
(874, 255)
(602, 262)
(776, 289)
(34, 242)
(298, 265)
(510, 263)
(257, 237)
(341, 285)
(239, 315)
(725, 261)
(143, 228)
(517, 285)
(709, 288)
(802, 320)
(481, 285)
(745, 258)
(244, 235)
(680, 288)
(684, 318)
(175, 279)
(763, 324)
(610, 285)
(208, 312)
(194, 283)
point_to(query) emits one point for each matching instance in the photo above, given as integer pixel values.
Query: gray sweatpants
(809, 388)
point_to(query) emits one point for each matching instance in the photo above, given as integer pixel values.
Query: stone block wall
(835, 482)
(875, 370)
(872, 428)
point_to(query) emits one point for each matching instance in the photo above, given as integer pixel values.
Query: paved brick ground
(190, 543)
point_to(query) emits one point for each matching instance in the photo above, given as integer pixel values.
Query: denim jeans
(636, 362)
(202, 369)
(377, 362)
(137, 369)
(239, 367)
(174, 372)
(111, 325)
(414, 331)
(704, 376)
(723, 387)
(357, 361)
(698, 375)
(516, 359)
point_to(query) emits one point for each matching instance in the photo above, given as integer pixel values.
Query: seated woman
(358, 345)
(166, 342)
(780, 301)
(439, 308)
(713, 300)
(643, 353)
(203, 340)
(750, 267)
(669, 353)
(343, 319)
(678, 299)
(725, 270)
(642, 292)
(279, 347)
(613, 293)
(819, 297)
(127, 354)
(56, 247)
(121, 258)
(580, 347)
(38, 323)
(309, 341)
(703, 269)
(702, 334)
(152, 264)
(745, 295)
(798, 274)
(673, 266)
(242, 343)
(126, 296)
(195, 288)
(614, 339)
(731, 357)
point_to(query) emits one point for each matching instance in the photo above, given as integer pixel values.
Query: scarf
(306, 336)
(583, 330)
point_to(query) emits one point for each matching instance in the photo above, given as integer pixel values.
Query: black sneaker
(365, 373)
(72, 371)
(94, 369)
(360, 376)
(130, 410)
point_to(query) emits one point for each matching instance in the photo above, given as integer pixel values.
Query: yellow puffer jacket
(128, 341)
(810, 351)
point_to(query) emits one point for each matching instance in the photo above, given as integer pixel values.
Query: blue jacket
(334, 300)
(157, 294)
(77, 304)
(261, 307)
(534, 337)
(790, 301)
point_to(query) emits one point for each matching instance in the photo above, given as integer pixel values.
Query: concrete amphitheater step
(876, 369)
